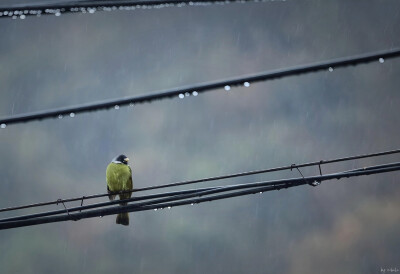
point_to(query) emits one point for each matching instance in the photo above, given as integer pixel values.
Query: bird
(119, 178)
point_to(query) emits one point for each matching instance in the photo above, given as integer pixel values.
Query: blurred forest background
(346, 226)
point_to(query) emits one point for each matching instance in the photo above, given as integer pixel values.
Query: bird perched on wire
(119, 178)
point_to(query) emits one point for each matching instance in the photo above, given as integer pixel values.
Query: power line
(184, 199)
(114, 202)
(172, 196)
(214, 178)
(57, 9)
(201, 88)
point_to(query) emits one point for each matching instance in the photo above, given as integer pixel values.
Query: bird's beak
(126, 159)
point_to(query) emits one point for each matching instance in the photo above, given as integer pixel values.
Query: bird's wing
(110, 196)
(130, 183)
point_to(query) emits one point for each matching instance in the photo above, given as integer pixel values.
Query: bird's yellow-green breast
(118, 177)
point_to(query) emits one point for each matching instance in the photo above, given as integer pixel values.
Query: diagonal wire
(115, 202)
(238, 190)
(214, 178)
(200, 88)
(23, 10)
(178, 195)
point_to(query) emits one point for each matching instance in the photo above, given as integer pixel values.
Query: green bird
(119, 177)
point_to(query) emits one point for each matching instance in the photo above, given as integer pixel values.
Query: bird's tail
(122, 218)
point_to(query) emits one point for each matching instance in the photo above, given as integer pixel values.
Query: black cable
(215, 178)
(172, 196)
(24, 10)
(80, 208)
(200, 88)
(171, 201)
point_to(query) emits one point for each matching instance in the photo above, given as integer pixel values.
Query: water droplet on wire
(381, 60)
(227, 88)
(181, 96)
(187, 94)
(155, 209)
(195, 93)
(116, 106)
(60, 116)
(3, 126)
(330, 69)
(72, 115)
(246, 84)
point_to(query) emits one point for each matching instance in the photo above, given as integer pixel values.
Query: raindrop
(181, 96)
(187, 94)
(155, 209)
(72, 115)
(195, 93)
(246, 84)
(14, 17)
(22, 16)
(3, 125)
(116, 106)
(192, 204)
(316, 183)
(169, 207)
(101, 216)
(60, 116)
(260, 192)
(227, 88)
(92, 11)
(57, 13)
(381, 60)
(330, 69)
(131, 104)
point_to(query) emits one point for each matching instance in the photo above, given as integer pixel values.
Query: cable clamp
(66, 209)
(83, 197)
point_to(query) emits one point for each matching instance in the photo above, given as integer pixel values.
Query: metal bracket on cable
(317, 183)
(83, 197)
(319, 165)
(66, 209)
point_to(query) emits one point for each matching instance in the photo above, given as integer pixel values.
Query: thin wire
(177, 195)
(201, 88)
(215, 178)
(114, 202)
(105, 5)
(186, 198)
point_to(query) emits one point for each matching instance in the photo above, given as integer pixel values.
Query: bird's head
(121, 159)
